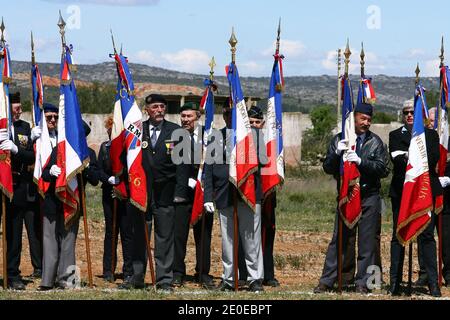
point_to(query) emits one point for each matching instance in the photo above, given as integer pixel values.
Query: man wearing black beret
(371, 158)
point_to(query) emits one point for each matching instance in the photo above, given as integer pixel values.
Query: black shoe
(271, 283)
(435, 291)
(322, 288)
(108, 277)
(130, 284)
(421, 282)
(164, 288)
(394, 289)
(177, 280)
(361, 289)
(226, 287)
(16, 284)
(256, 286)
(37, 274)
(44, 288)
(208, 283)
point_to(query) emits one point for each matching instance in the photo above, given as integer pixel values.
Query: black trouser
(15, 218)
(445, 249)
(425, 241)
(123, 225)
(268, 238)
(181, 232)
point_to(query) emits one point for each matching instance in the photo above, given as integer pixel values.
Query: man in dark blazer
(23, 206)
(161, 172)
(399, 141)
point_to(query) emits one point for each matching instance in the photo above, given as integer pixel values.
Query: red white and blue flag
(243, 160)
(43, 145)
(366, 93)
(206, 104)
(441, 125)
(417, 199)
(72, 149)
(6, 181)
(350, 192)
(126, 137)
(272, 174)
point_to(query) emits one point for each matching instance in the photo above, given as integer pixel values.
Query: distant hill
(302, 92)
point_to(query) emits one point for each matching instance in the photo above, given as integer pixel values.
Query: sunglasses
(50, 117)
(405, 113)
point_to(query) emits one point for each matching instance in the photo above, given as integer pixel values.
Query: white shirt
(158, 130)
(52, 136)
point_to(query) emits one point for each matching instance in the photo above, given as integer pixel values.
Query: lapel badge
(144, 145)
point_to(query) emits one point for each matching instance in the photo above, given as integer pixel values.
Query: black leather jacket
(373, 167)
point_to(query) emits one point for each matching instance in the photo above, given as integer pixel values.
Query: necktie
(153, 138)
(192, 147)
(358, 145)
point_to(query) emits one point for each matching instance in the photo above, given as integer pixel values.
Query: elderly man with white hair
(399, 141)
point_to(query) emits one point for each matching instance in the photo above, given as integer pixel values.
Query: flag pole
(440, 236)
(86, 229)
(4, 240)
(149, 251)
(339, 89)
(233, 41)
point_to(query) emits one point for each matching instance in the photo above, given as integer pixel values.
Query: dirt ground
(299, 260)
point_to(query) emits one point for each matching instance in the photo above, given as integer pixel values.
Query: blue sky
(183, 34)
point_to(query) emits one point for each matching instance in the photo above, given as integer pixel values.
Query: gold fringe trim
(403, 224)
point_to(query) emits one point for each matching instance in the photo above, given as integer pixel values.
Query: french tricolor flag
(272, 174)
(126, 137)
(349, 193)
(366, 93)
(207, 104)
(417, 199)
(43, 145)
(72, 149)
(243, 160)
(441, 125)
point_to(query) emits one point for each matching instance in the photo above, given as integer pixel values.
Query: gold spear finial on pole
(417, 74)
(212, 64)
(442, 52)
(33, 60)
(113, 43)
(347, 54)
(233, 42)
(339, 55)
(62, 31)
(278, 37)
(2, 28)
(362, 55)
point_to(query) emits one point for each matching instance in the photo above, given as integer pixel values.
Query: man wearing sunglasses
(399, 141)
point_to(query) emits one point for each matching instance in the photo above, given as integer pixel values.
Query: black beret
(48, 107)
(190, 106)
(364, 108)
(255, 112)
(226, 103)
(155, 98)
(14, 97)
(87, 129)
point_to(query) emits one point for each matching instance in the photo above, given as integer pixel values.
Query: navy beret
(255, 112)
(48, 107)
(364, 108)
(14, 97)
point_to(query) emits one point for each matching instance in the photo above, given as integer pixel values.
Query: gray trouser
(367, 241)
(250, 233)
(58, 261)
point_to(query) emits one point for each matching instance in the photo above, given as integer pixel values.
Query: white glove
(36, 133)
(4, 135)
(445, 181)
(342, 146)
(55, 170)
(209, 207)
(8, 145)
(353, 157)
(113, 180)
(192, 183)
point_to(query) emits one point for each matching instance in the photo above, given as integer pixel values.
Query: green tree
(383, 117)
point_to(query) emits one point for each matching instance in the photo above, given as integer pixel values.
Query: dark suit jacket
(399, 140)
(217, 185)
(158, 165)
(22, 174)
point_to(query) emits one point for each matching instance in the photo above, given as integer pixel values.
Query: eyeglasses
(51, 116)
(255, 121)
(405, 113)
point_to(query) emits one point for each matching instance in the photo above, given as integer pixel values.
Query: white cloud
(146, 57)
(127, 3)
(250, 68)
(373, 64)
(415, 53)
(42, 44)
(289, 48)
(431, 68)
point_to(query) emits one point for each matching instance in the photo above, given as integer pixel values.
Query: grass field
(305, 218)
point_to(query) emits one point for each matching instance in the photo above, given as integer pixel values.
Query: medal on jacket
(144, 144)
(169, 146)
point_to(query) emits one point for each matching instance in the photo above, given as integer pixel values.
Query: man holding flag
(370, 158)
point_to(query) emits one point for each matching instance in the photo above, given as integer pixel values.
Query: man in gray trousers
(219, 189)
(371, 158)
